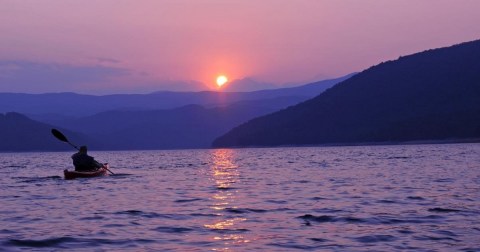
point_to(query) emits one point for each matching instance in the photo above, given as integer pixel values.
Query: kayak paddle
(63, 138)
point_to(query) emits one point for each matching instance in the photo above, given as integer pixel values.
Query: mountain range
(431, 95)
(78, 105)
(163, 120)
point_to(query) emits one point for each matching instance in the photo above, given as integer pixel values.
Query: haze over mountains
(162, 120)
(432, 95)
(72, 104)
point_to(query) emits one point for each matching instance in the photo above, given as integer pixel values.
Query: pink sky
(137, 46)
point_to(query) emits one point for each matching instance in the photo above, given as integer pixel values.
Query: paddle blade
(59, 135)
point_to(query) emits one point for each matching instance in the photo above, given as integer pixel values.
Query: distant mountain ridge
(131, 123)
(20, 133)
(432, 95)
(72, 104)
(190, 126)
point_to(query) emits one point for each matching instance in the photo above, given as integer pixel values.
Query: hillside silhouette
(432, 95)
(132, 123)
(20, 133)
(191, 126)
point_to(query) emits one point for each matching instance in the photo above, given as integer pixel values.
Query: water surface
(370, 198)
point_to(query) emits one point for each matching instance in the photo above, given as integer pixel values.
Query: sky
(142, 46)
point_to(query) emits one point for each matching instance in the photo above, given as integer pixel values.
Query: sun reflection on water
(225, 174)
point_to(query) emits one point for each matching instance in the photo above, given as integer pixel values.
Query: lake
(361, 198)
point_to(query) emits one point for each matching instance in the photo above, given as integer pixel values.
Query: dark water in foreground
(381, 198)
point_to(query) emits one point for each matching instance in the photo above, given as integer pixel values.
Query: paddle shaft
(74, 146)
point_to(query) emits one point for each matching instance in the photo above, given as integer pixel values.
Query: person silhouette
(83, 162)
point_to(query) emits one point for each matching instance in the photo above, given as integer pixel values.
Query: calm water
(377, 198)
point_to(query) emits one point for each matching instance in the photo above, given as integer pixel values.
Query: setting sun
(221, 80)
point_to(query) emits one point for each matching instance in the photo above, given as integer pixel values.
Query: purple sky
(139, 46)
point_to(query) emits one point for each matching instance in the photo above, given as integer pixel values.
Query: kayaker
(83, 162)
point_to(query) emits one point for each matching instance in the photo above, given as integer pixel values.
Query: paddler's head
(83, 149)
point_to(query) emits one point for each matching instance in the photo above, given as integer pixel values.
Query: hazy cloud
(247, 84)
(28, 76)
(179, 86)
(103, 60)
(35, 77)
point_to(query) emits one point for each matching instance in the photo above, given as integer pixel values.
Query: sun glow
(221, 80)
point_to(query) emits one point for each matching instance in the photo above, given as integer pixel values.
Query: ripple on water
(173, 229)
(294, 245)
(148, 215)
(6, 231)
(319, 240)
(329, 218)
(50, 242)
(322, 218)
(376, 220)
(97, 217)
(68, 242)
(434, 238)
(443, 210)
(277, 201)
(187, 200)
(245, 210)
(375, 238)
(415, 198)
(36, 179)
